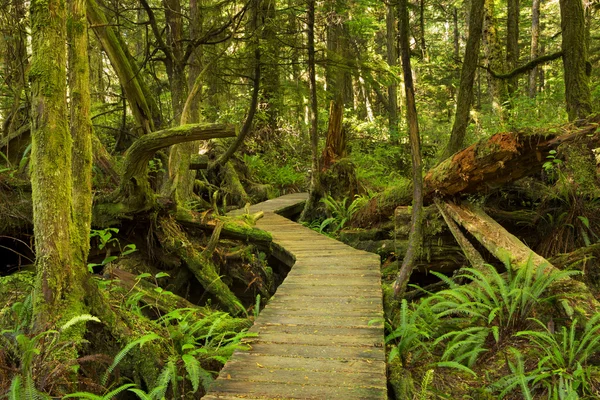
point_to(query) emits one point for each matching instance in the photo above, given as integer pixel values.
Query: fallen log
(483, 167)
(507, 247)
(504, 157)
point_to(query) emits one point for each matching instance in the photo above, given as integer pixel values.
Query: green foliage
(35, 355)
(339, 212)
(564, 365)
(105, 237)
(278, 173)
(498, 305)
(409, 334)
(108, 396)
(121, 355)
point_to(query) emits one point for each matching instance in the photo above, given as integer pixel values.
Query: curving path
(314, 337)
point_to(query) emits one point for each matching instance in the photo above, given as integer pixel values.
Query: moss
(401, 380)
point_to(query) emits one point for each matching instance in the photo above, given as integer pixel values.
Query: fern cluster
(454, 327)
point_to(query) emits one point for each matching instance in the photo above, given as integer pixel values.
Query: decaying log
(175, 240)
(165, 302)
(503, 158)
(232, 229)
(507, 247)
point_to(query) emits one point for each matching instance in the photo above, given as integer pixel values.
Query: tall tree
(494, 58)
(315, 184)
(535, 39)
(392, 60)
(467, 77)
(58, 293)
(415, 238)
(577, 89)
(81, 130)
(512, 43)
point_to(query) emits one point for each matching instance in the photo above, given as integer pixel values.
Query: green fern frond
(78, 319)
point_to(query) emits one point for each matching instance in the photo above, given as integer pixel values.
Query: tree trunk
(577, 90)
(392, 60)
(335, 143)
(512, 43)
(315, 184)
(494, 59)
(81, 131)
(508, 248)
(467, 76)
(535, 38)
(58, 294)
(415, 238)
(138, 95)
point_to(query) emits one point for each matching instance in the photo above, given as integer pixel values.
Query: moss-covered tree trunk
(577, 90)
(141, 102)
(58, 294)
(81, 130)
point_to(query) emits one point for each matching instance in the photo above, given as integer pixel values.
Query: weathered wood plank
(240, 372)
(290, 391)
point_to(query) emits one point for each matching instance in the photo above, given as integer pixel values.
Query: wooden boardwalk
(314, 338)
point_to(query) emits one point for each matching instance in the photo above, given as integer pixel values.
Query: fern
(119, 357)
(78, 319)
(108, 396)
(16, 389)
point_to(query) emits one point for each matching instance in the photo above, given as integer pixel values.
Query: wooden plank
(291, 391)
(332, 315)
(321, 321)
(240, 372)
(332, 280)
(328, 365)
(371, 334)
(327, 291)
(337, 303)
(315, 340)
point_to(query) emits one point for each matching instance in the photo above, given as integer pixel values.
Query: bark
(58, 293)
(415, 238)
(81, 131)
(535, 38)
(512, 42)
(392, 60)
(467, 76)
(335, 143)
(315, 186)
(577, 90)
(503, 158)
